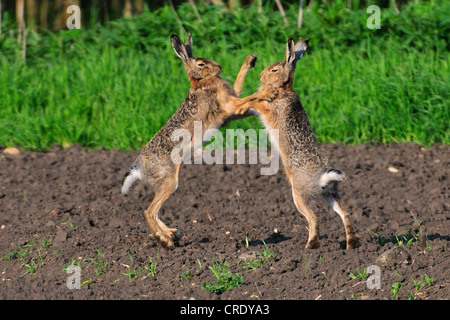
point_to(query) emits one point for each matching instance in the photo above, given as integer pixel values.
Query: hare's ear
(179, 48)
(300, 47)
(188, 45)
(290, 51)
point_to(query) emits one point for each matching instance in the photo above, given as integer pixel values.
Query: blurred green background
(116, 81)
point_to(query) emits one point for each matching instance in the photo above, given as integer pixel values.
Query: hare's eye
(200, 64)
(274, 70)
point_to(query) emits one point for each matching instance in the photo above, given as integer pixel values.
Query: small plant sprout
(69, 223)
(395, 289)
(225, 279)
(423, 281)
(186, 275)
(101, 265)
(261, 258)
(131, 273)
(72, 263)
(417, 283)
(26, 255)
(405, 240)
(362, 274)
(429, 279)
(89, 281)
(380, 239)
(151, 267)
(134, 273)
(199, 264)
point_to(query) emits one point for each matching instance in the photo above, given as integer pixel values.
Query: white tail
(331, 175)
(130, 177)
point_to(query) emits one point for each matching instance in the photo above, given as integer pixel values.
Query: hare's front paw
(270, 94)
(250, 61)
(242, 110)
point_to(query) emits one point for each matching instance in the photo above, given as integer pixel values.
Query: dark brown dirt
(65, 206)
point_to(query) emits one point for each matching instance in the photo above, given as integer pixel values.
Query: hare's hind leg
(352, 239)
(163, 190)
(313, 223)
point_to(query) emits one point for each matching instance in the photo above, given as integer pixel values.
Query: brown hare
(308, 169)
(210, 100)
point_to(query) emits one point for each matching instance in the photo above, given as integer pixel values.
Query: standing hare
(210, 100)
(308, 170)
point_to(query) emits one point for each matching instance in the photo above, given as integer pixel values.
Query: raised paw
(250, 61)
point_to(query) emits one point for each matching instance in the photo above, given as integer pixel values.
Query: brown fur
(210, 100)
(304, 162)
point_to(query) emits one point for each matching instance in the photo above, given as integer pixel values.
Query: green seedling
(20, 253)
(418, 283)
(151, 267)
(135, 273)
(199, 264)
(225, 279)
(356, 297)
(24, 255)
(90, 281)
(69, 223)
(429, 280)
(395, 289)
(45, 243)
(404, 240)
(72, 263)
(261, 258)
(380, 239)
(362, 274)
(186, 275)
(101, 265)
(427, 243)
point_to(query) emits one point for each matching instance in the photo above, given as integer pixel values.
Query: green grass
(32, 255)
(136, 272)
(115, 86)
(101, 265)
(225, 279)
(261, 258)
(361, 273)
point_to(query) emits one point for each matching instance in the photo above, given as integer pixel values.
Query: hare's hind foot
(313, 244)
(353, 243)
(352, 240)
(313, 222)
(168, 239)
